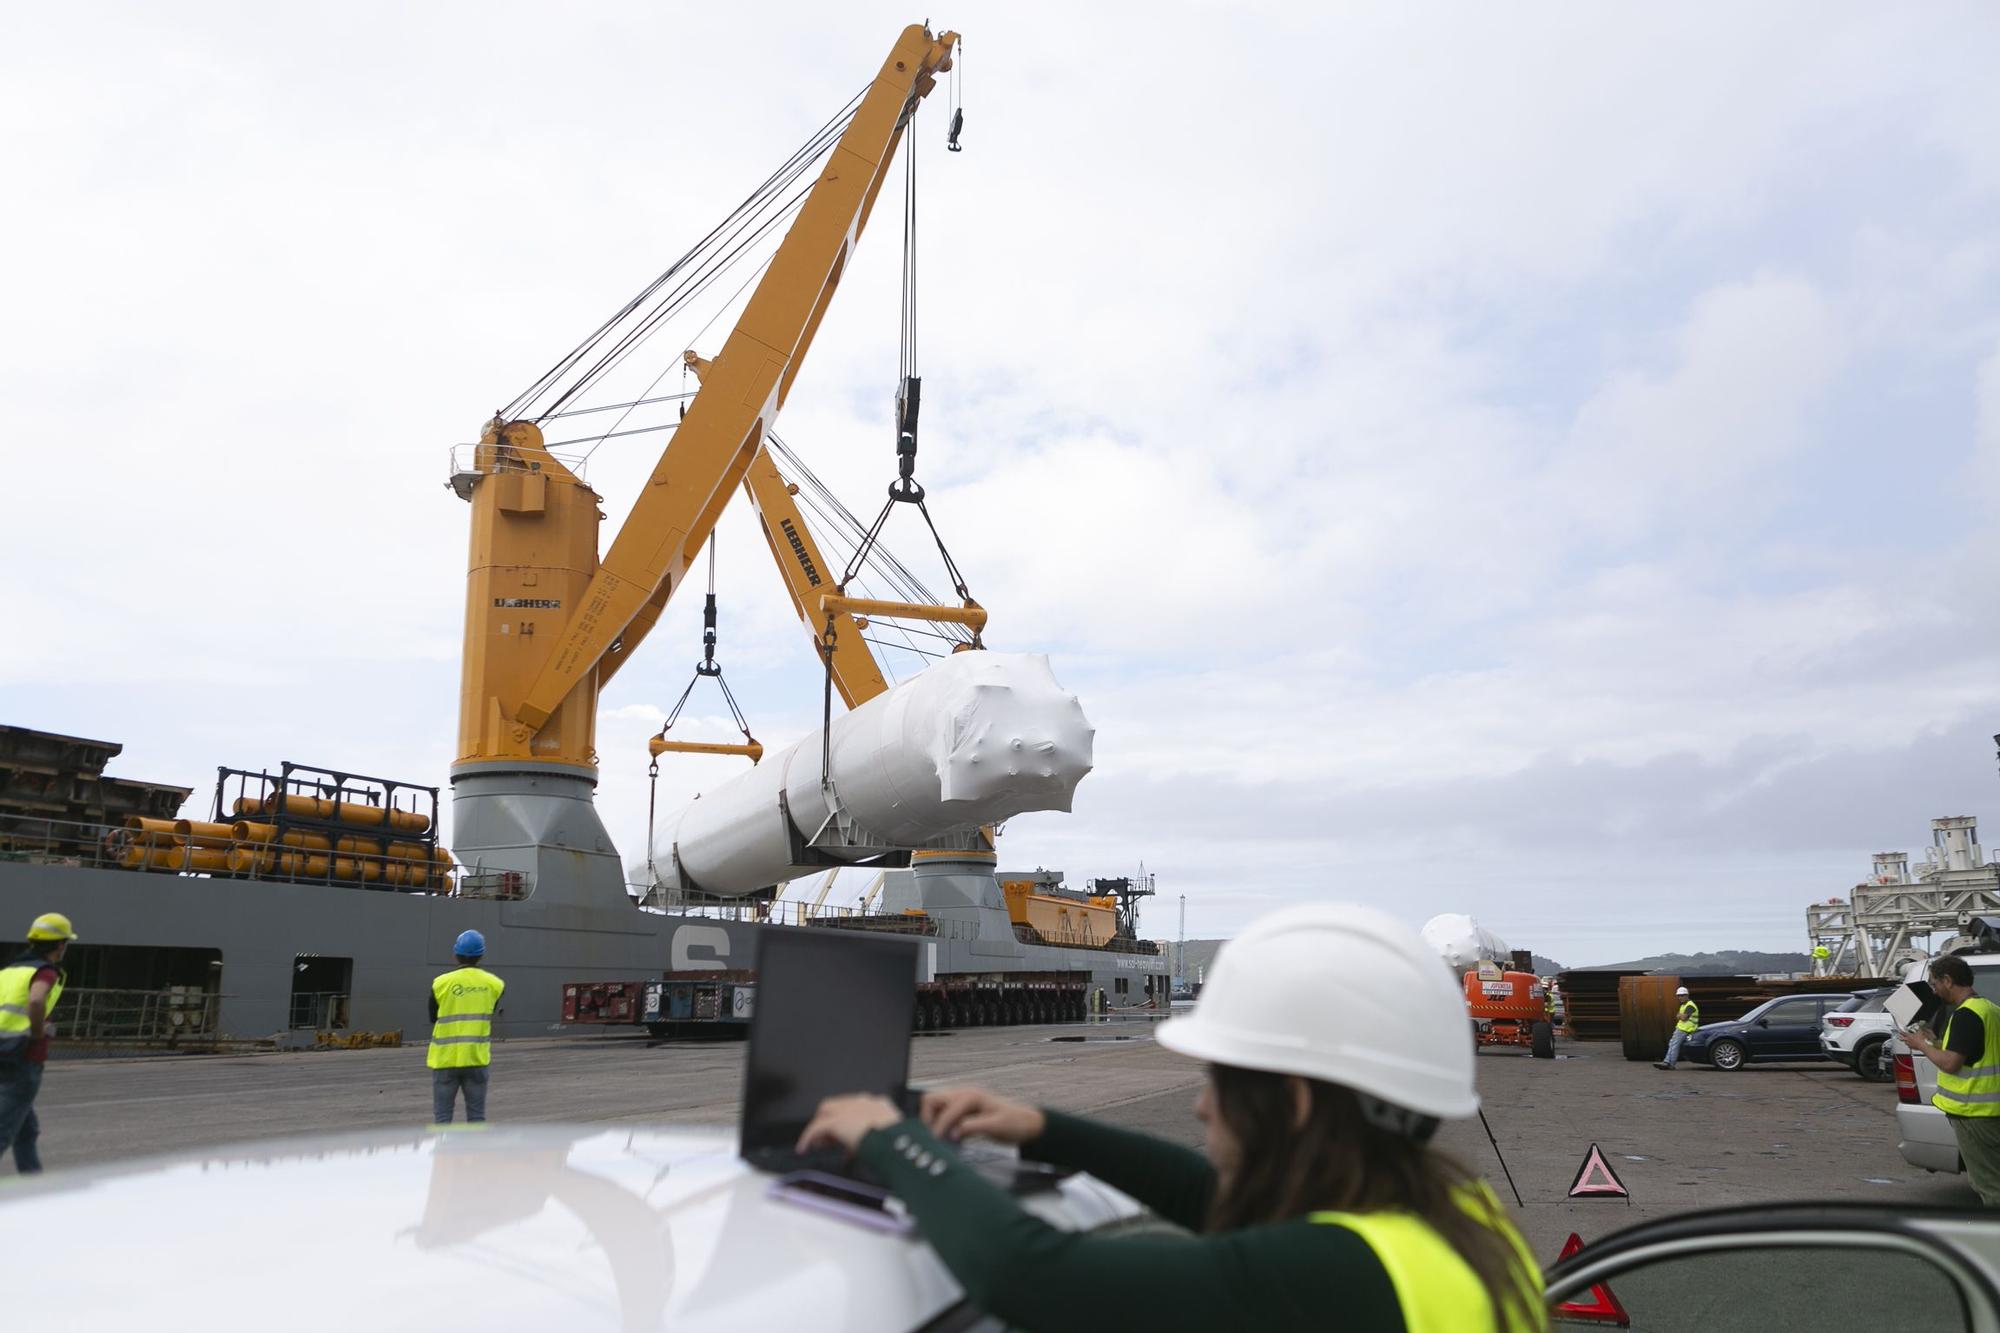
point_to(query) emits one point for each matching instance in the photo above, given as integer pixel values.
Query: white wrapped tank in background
(974, 739)
(1462, 942)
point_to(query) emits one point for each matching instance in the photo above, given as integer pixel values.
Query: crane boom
(856, 674)
(548, 621)
(741, 393)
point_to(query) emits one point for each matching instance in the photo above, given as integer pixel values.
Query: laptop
(835, 1013)
(1913, 1003)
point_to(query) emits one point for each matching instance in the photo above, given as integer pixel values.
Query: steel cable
(816, 146)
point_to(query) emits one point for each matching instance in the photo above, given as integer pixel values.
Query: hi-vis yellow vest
(16, 980)
(463, 1033)
(1689, 1018)
(1437, 1289)
(1975, 1089)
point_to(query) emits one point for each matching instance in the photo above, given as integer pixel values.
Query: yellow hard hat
(51, 926)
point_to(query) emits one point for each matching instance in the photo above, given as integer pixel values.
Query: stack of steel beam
(1590, 1001)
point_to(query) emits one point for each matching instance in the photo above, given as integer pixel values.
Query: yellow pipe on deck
(201, 833)
(361, 816)
(205, 859)
(302, 865)
(244, 830)
(252, 860)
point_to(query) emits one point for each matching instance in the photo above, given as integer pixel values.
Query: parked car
(1828, 1267)
(1923, 1132)
(1856, 1034)
(1786, 1028)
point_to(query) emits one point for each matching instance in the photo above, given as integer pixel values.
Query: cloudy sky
(1535, 461)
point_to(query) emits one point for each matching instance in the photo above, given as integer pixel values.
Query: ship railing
(149, 1017)
(786, 912)
(507, 886)
(1073, 939)
(116, 847)
(465, 460)
(899, 924)
(59, 842)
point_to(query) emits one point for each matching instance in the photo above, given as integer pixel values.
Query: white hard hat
(1338, 993)
(1681, 990)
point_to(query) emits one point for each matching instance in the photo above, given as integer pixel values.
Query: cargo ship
(297, 944)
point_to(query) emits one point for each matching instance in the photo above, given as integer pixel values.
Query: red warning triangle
(1601, 1308)
(1596, 1180)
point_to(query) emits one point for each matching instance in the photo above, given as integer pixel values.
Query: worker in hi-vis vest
(29, 988)
(1686, 1020)
(1968, 1072)
(463, 1002)
(1334, 1047)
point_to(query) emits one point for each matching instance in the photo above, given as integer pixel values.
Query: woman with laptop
(1335, 1043)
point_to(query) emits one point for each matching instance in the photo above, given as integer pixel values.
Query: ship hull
(397, 942)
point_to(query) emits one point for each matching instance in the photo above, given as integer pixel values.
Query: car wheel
(1542, 1041)
(1726, 1054)
(1871, 1061)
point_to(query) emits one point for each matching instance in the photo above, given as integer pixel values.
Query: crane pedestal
(540, 821)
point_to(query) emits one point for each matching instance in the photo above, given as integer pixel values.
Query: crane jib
(799, 550)
(535, 700)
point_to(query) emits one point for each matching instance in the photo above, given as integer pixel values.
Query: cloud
(1535, 463)
(1679, 448)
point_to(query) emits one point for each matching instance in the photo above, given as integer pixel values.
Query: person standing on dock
(463, 1002)
(1968, 1072)
(1686, 1020)
(29, 988)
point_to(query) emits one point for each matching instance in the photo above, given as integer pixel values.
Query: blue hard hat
(471, 944)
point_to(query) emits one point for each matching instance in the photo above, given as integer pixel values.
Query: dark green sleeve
(1021, 1270)
(1175, 1182)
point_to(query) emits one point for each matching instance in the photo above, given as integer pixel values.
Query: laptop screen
(834, 1014)
(1913, 1003)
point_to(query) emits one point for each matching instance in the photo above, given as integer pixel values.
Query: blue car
(1786, 1028)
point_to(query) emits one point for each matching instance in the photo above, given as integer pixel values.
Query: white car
(541, 1227)
(1855, 1034)
(582, 1227)
(1923, 1132)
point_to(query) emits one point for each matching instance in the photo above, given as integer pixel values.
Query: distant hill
(1201, 956)
(1722, 963)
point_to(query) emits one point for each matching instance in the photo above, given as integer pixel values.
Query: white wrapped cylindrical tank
(1462, 942)
(973, 739)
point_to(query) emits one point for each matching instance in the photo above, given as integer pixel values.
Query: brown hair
(1343, 1160)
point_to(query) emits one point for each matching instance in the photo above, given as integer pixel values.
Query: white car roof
(517, 1227)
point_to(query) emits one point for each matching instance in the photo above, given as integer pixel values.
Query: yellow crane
(549, 622)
